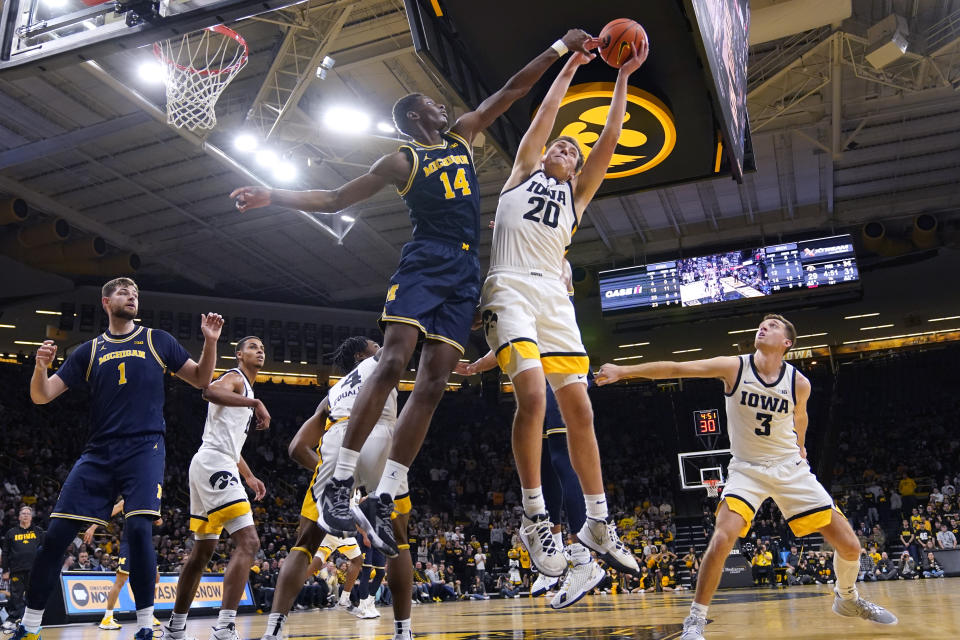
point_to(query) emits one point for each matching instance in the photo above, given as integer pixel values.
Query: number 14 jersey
(534, 225)
(760, 415)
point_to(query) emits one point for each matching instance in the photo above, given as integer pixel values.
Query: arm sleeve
(73, 371)
(170, 351)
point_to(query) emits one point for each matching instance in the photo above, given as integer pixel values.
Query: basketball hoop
(199, 66)
(713, 487)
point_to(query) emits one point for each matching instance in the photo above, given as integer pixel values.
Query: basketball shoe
(542, 584)
(108, 623)
(21, 633)
(601, 536)
(693, 628)
(860, 608)
(228, 632)
(536, 536)
(373, 516)
(335, 516)
(584, 575)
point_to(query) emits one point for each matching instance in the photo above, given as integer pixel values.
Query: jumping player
(318, 445)
(434, 292)
(123, 368)
(766, 409)
(530, 324)
(217, 499)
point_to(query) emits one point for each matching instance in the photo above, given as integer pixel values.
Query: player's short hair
(400, 109)
(345, 356)
(243, 341)
(115, 284)
(788, 327)
(576, 144)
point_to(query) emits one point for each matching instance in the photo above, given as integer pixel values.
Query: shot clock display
(706, 422)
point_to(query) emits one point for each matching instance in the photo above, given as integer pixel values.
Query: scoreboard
(732, 276)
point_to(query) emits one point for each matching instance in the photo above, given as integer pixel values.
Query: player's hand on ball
(251, 197)
(46, 353)
(578, 40)
(259, 489)
(210, 325)
(607, 374)
(635, 60)
(261, 416)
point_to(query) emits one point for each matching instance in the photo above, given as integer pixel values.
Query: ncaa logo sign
(648, 136)
(80, 595)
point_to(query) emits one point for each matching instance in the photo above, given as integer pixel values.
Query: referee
(20, 545)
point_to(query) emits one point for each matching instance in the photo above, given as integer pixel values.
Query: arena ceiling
(837, 143)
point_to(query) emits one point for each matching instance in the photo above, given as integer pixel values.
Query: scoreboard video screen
(731, 276)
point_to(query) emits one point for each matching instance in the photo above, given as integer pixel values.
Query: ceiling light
(862, 315)
(626, 358)
(55, 4)
(879, 326)
(267, 158)
(902, 335)
(347, 218)
(246, 142)
(386, 127)
(813, 346)
(688, 350)
(285, 171)
(346, 120)
(152, 71)
(44, 312)
(8, 326)
(812, 335)
(635, 344)
(35, 344)
(944, 318)
(730, 333)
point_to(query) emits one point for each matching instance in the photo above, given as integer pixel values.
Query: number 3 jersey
(534, 225)
(760, 415)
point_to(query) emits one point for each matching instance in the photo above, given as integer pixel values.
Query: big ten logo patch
(648, 136)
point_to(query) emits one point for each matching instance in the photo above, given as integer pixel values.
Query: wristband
(560, 48)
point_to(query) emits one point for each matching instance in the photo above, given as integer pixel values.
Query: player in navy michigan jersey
(435, 289)
(123, 369)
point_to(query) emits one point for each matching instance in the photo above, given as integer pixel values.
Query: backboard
(38, 35)
(698, 466)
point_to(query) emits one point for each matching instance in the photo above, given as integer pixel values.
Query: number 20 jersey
(760, 415)
(534, 225)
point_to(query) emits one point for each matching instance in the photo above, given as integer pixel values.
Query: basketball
(615, 40)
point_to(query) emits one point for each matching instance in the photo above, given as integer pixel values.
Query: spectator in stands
(909, 540)
(948, 490)
(506, 587)
(82, 563)
(804, 574)
(824, 571)
(762, 565)
(908, 567)
(867, 567)
(886, 568)
(692, 562)
(645, 582)
(477, 590)
(946, 539)
(20, 545)
(670, 580)
(931, 568)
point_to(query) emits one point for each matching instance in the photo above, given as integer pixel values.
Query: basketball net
(713, 488)
(199, 66)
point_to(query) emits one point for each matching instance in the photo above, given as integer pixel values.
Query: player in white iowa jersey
(217, 499)
(529, 321)
(767, 422)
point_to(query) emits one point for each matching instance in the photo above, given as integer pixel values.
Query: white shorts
(529, 322)
(370, 463)
(805, 504)
(218, 499)
(347, 546)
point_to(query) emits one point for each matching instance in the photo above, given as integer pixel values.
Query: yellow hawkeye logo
(649, 133)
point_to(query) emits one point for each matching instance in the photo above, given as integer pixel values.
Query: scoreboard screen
(731, 276)
(706, 422)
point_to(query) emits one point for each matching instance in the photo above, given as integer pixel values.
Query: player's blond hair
(115, 284)
(788, 327)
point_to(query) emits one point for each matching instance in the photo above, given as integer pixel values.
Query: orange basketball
(615, 41)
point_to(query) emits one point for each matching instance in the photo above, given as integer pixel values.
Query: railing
(943, 32)
(784, 53)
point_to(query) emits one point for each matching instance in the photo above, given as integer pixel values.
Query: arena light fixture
(246, 142)
(267, 158)
(627, 358)
(386, 127)
(813, 346)
(862, 315)
(28, 342)
(8, 326)
(55, 4)
(730, 333)
(152, 71)
(285, 171)
(812, 335)
(346, 120)
(44, 312)
(347, 218)
(902, 335)
(635, 344)
(688, 350)
(930, 320)
(878, 326)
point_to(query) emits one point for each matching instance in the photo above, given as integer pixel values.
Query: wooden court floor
(928, 609)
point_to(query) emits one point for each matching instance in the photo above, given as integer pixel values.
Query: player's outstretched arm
(487, 362)
(227, 390)
(537, 135)
(303, 446)
(723, 367)
(43, 389)
(390, 169)
(800, 417)
(259, 489)
(595, 168)
(199, 374)
(472, 123)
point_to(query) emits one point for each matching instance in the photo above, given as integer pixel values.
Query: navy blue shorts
(122, 565)
(129, 467)
(437, 289)
(371, 557)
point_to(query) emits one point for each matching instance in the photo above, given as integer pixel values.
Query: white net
(713, 488)
(198, 67)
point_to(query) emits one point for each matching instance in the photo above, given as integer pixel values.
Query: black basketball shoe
(335, 516)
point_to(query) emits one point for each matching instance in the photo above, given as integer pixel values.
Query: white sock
(558, 539)
(275, 622)
(346, 464)
(698, 610)
(345, 596)
(394, 474)
(178, 621)
(533, 501)
(108, 613)
(847, 572)
(145, 618)
(32, 619)
(226, 617)
(402, 627)
(596, 506)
